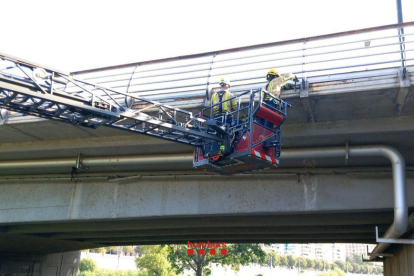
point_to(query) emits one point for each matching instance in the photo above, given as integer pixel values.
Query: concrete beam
(232, 237)
(366, 241)
(221, 230)
(356, 219)
(361, 126)
(64, 200)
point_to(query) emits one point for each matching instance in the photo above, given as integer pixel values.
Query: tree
(276, 260)
(364, 269)
(379, 270)
(284, 261)
(349, 267)
(237, 254)
(154, 261)
(357, 268)
(302, 263)
(292, 261)
(318, 264)
(341, 265)
(272, 259)
(357, 259)
(310, 263)
(337, 272)
(87, 264)
(112, 249)
(128, 249)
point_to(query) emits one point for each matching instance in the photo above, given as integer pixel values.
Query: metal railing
(193, 76)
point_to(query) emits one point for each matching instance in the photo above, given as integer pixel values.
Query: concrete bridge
(138, 190)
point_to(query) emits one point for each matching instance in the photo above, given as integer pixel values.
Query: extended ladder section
(43, 92)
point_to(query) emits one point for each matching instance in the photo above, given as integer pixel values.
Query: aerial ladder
(243, 145)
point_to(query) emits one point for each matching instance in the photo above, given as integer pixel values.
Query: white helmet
(224, 81)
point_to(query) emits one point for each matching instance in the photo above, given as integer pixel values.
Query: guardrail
(194, 75)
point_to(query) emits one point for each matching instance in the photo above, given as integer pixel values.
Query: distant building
(338, 252)
(357, 248)
(330, 252)
(308, 251)
(293, 249)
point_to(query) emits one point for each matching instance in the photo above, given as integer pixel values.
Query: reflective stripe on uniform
(222, 108)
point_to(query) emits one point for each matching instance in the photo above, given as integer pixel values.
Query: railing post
(129, 102)
(401, 36)
(303, 57)
(209, 76)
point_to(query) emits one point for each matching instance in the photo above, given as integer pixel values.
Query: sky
(76, 35)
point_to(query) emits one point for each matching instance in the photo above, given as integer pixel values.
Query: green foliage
(98, 250)
(111, 249)
(110, 272)
(364, 269)
(349, 267)
(292, 261)
(380, 270)
(357, 259)
(302, 262)
(341, 265)
(87, 264)
(128, 249)
(334, 266)
(283, 261)
(335, 272)
(357, 268)
(370, 269)
(310, 263)
(237, 255)
(207, 271)
(318, 264)
(138, 250)
(272, 259)
(154, 261)
(276, 259)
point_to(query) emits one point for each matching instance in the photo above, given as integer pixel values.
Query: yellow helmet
(224, 81)
(273, 72)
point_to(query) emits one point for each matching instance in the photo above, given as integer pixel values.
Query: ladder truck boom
(36, 90)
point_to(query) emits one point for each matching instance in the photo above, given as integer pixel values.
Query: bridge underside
(47, 216)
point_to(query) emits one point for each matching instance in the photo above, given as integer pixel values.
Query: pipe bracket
(392, 241)
(79, 166)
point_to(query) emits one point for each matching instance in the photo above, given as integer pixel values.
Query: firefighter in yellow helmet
(222, 111)
(276, 84)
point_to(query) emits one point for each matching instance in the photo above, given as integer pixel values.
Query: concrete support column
(61, 264)
(20, 264)
(402, 264)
